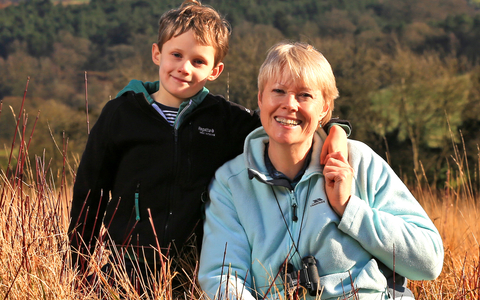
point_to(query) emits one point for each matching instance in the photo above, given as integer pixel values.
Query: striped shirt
(169, 112)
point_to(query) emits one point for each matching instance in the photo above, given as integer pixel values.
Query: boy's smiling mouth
(180, 79)
(288, 122)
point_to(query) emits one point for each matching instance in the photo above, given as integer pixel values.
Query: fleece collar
(137, 86)
(254, 157)
(147, 88)
(188, 106)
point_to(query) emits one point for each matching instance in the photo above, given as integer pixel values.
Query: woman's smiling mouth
(287, 122)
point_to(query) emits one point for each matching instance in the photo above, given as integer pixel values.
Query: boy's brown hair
(209, 28)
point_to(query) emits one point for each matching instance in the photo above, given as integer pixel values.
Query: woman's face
(290, 111)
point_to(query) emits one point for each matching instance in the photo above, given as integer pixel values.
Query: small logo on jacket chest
(206, 131)
(317, 202)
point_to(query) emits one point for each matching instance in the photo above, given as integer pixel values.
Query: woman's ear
(156, 54)
(324, 112)
(259, 100)
(326, 107)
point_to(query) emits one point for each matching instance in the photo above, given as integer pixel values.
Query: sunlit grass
(35, 260)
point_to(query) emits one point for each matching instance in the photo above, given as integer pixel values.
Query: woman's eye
(278, 91)
(306, 95)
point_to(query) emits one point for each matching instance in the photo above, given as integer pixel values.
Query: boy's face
(184, 68)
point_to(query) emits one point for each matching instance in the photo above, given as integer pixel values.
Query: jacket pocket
(366, 278)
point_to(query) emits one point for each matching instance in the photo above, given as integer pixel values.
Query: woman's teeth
(288, 122)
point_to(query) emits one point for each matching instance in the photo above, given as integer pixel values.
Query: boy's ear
(216, 72)
(156, 54)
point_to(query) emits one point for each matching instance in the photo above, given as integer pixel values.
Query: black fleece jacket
(135, 162)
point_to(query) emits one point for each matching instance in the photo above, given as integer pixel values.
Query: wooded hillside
(408, 70)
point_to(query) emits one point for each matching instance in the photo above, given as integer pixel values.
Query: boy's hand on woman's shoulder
(336, 141)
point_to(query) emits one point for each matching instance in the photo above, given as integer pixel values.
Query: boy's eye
(176, 54)
(199, 62)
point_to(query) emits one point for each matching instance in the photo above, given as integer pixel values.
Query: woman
(277, 221)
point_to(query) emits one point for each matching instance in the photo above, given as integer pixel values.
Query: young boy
(155, 148)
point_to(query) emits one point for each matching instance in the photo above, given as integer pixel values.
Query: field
(35, 260)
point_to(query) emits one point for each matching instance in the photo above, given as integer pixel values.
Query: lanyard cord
(301, 222)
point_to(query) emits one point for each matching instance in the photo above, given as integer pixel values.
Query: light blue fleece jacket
(246, 237)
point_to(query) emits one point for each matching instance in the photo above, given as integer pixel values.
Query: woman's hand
(336, 141)
(338, 181)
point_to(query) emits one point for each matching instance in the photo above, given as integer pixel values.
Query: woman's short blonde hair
(304, 64)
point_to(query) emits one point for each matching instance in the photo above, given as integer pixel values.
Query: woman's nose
(290, 102)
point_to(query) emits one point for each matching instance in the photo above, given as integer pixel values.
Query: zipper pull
(294, 216)
(137, 207)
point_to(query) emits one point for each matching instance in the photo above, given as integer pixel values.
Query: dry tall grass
(455, 212)
(35, 260)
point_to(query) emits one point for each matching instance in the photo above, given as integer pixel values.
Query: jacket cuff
(349, 218)
(342, 123)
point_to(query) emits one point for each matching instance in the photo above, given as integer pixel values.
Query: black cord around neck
(295, 245)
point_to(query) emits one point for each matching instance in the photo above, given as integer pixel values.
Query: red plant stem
(23, 153)
(284, 265)
(78, 219)
(16, 275)
(83, 241)
(33, 129)
(244, 282)
(40, 185)
(86, 103)
(354, 290)
(226, 284)
(96, 219)
(16, 128)
(63, 180)
(192, 290)
(128, 237)
(162, 263)
(221, 273)
(138, 244)
(114, 213)
(19, 169)
(298, 286)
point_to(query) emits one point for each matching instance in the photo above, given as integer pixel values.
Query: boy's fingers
(323, 156)
(336, 156)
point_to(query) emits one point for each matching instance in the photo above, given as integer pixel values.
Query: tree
(249, 45)
(425, 93)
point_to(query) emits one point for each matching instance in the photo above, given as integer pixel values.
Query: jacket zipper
(295, 259)
(176, 154)
(294, 207)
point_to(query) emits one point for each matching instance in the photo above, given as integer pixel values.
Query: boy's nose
(185, 67)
